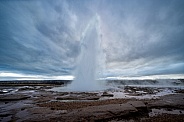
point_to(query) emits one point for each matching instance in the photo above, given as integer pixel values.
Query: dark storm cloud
(36, 38)
(138, 37)
(144, 34)
(145, 29)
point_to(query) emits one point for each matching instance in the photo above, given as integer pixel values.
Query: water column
(85, 74)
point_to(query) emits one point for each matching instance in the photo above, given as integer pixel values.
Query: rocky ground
(129, 104)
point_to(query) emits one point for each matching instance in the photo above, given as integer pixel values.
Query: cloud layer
(138, 37)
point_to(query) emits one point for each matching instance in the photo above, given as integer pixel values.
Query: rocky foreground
(38, 103)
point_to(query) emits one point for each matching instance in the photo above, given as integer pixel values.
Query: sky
(41, 39)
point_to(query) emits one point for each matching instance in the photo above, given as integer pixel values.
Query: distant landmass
(167, 82)
(34, 82)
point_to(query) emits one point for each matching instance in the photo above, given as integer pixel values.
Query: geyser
(88, 61)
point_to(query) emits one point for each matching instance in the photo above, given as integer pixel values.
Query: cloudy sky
(42, 38)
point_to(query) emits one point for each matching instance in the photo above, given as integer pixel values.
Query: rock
(102, 112)
(26, 88)
(13, 97)
(78, 98)
(38, 114)
(137, 104)
(175, 100)
(105, 94)
(4, 91)
(140, 106)
(93, 98)
(180, 91)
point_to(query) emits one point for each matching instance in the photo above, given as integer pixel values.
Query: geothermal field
(118, 100)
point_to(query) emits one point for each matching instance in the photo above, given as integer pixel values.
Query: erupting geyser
(88, 64)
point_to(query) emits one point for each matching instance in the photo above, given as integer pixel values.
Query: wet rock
(137, 104)
(4, 114)
(78, 98)
(13, 97)
(140, 106)
(165, 118)
(180, 91)
(93, 98)
(105, 94)
(175, 100)
(138, 90)
(102, 112)
(63, 93)
(38, 114)
(26, 88)
(3, 92)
